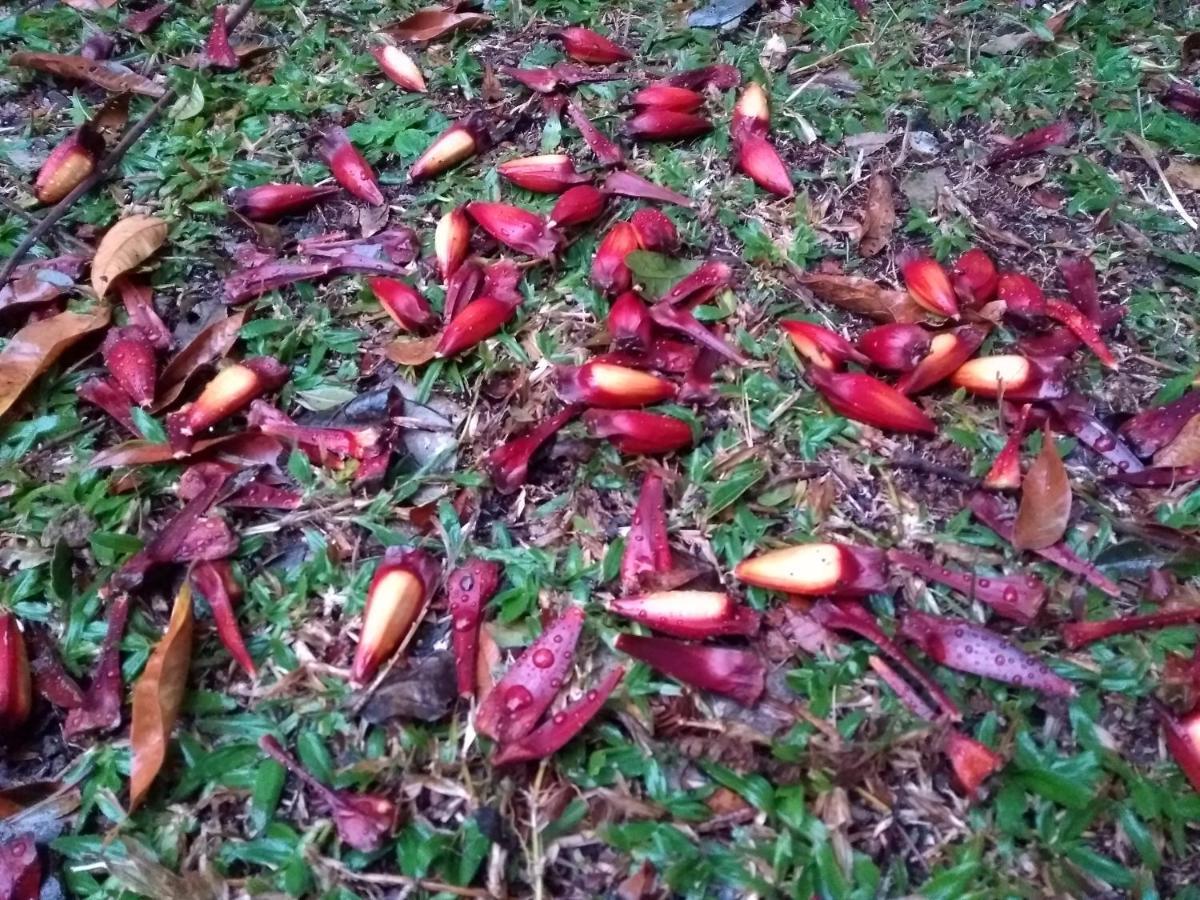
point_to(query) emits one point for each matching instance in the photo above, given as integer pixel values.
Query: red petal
(609, 271)
(947, 353)
(1005, 472)
(1080, 277)
(929, 285)
(972, 761)
(400, 67)
(562, 727)
(16, 686)
(897, 346)
(50, 679)
(721, 76)
(666, 124)
(1016, 377)
(655, 230)
(396, 598)
(478, 320)
(130, 359)
(666, 96)
(1017, 597)
(1183, 741)
(229, 392)
(268, 202)
(751, 114)
(318, 443)
(508, 464)
(821, 346)
(608, 153)
(108, 396)
(975, 278)
(868, 400)
(628, 184)
(1083, 328)
(1080, 634)
(587, 46)
(101, 709)
(549, 174)
(602, 384)
(1096, 435)
(514, 227)
(637, 432)
(451, 242)
(1150, 431)
(700, 286)
(689, 614)
(459, 142)
(1158, 477)
(739, 674)
(678, 318)
(217, 52)
(470, 586)
(908, 695)
(349, 168)
(647, 548)
(578, 206)
(21, 868)
(757, 157)
(464, 285)
(402, 302)
(816, 569)
(1021, 295)
(1055, 134)
(629, 323)
(139, 304)
(214, 581)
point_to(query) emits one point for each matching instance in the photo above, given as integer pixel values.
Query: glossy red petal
(609, 272)
(628, 184)
(101, 709)
(130, 358)
(459, 142)
(578, 206)
(975, 278)
(820, 346)
(508, 464)
(555, 734)
(214, 581)
(666, 96)
(1084, 329)
(549, 174)
(629, 323)
(451, 241)
(1017, 597)
(738, 674)
(607, 152)
(400, 67)
(469, 588)
(585, 45)
(68, 164)
(757, 157)
(1150, 431)
(679, 318)
(1096, 435)
(868, 400)
(699, 286)
(50, 678)
(520, 229)
(1021, 295)
(16, 685)
(349, 168)
(655, 230)
(1182, 737)
(696, 615)
(647, 548)
(971, 761)
(463, 285)
(816, 569)
(402, 302)
(108, 396)
(1055, 134)
(637, 432)
(896, 347)
(397, 596)
(1080, 277)
(1080, 634)
(1005, 471)
(608, 386)
(948, 351)
(217, 52)
(138, 301)
(268, 202)
(478, 320)
(929, 286)
(666, 124)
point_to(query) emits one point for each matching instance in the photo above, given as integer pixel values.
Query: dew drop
(558, 639)
(958, 632)
(517, 698)
(1123, 465)
(467, 582)
(559, 718)
(1000, 659)
(1105, 443)
(463, 623)
(591, 696)
(543, 658)
(556, 683)
(1010, 594)
(985, 582)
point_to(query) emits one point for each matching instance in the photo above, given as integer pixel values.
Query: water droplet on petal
(543, 658)
(517, 698)
(467, 582)
(463, 623)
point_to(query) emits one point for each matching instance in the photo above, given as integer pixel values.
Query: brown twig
(105, 165)
(916, 463)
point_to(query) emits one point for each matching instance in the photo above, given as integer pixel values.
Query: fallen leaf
(923, 187)
(211, 344)
(1045, 506)
(412, 351)
(37, 346)
(39, 282)
(134, 868)
(125, 246)
(879, 215)
(157, 697)
(718, 12)
(106, 74)
(421, 688)
(1189, 51)
(1003, 44)
(1182, 175)
(870, 141)
(432, 23)
(862, 295)
(1184, 449)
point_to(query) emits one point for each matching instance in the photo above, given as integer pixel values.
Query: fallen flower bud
(228, 393)
(1080, 277)
(1182, 737)
(1017, 597)
(929, 286)
(349, 168)
(1005, 471)
(666, 124)
(402, 302)
(604, 385)
(1150, 431)
(16, 686)
(647, 548)
(820, 346)
(967, 647)
(607, 152)
(469, 587)
(666, 96)
(689, 614)
(628, 184)
(400, 67)
(520, 229)
(896, 347)
(451, 241)
(1016, 377)
(555, 734)
(462, 140)
(577, 206)
(1055, 134)
(975, 278)
(478, 320)
(549, 174)
(817, 568)
(508, 464)
(217, 52)
(629, 323)
(1083, 328)
(363, 821)
(513, 707)
(1021, 295)
(585, 45)
(971, 761)
(609, 272)
(947, 353)
(68, 164)
(398, 594)
(637, 432)
(738, 674)
(868, 400)
(751, 114)
(655, 230)
(1080, 634)
(268, 202)
(214, 582)
(757, 157)
(130, 359)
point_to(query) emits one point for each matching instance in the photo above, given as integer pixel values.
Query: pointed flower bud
(666, 96)
(470, 587)
(349, 168)
(396, 598)
(971, 761)
(819, 568)
(577, 206)
(451, 241)
(1005, 471)
(870, 401)
(820, 346)
(739, 674)
(629, 323)
(636, 432)
(1016, 377)
(607, 386)
(929, 286)
(16, 687)
(609, 272)
(459, 142)
(217, 51)
(68, 164)
(655, 230)
(647, 545)
(666, 124)
(757, 157)
(508, 464)
(975, 278)
(1020, 295)
(554, 734)
(947, 351)
(1084, 329)
(751, 113)
(586, 46)
(607, 152)
(478, 320)
(268, 202)
(130, 359)
(549, 174)
(229, 392)
(897, 346)
(408, 308)
(400, 67)
(689, 614)
(520, 229)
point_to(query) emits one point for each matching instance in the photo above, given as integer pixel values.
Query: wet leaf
(157, 697)
(126, 246)
(1184, 449)
(432, 23)
(879, 215)
(656, 273)
(1045, 506)
(718, 12)
(37, 346)
(421, 688)
(104, 73)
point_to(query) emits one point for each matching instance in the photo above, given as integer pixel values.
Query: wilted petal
(1084, 329)
(108, 396)
(464, 285)
(647, 549)
(739, 674)
(1055, 134)
(679, 318)
(217, 52)
(555, 734)
(655, 230)
(1017, 597)
(349, 168)
(821, 346)
(1005, 471)
(1080, 634)
(700, 286)
(607, 152)
(629, 184)
(1182, 736)
(214, 582)
(1021, 295)
(1150, 431)
(868, 400)
(721, 76)
(1095, 435)
(508, 464)
(130, 359)
(629, 323)
(1080, 277)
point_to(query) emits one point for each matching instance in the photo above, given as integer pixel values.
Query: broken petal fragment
(609, 386)
(68, 164)
(396, 598)
(228, 393)
(1021, 295)
(1056, 134)
(508, 464)
(402, 302)
(647, 548)
(16, 685)
(679, 318)
(820, 346)
(816, 569)
(469, 588)
(214, 581)
(866, 399)
(268, 202)
(697, 615)
(655, 230)
(555, 734)
(577, 206)
(971, 761)
(1017, 597)
(459, 142)
(1083, 328)
(929, 285)
(666, 124)
(586, 46)
(1014, 377)
(349, 168)
(637, 432)
(947, 353)
(217, 52)
(757, 158)
(609, 271)
(130, 359)
(1080, 277)
(478, 320)
(1005, 471)
(1080, 634)
(520, 229)
(739, 674)
(1150, 431)
(975, 278)
(400, 67)
(549, 174)
(628, 184)
(896, 347)
(607, 152)
(666, 96)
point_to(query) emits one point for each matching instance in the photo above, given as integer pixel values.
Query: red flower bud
(1053, 135)
(508, 464)
(666, 96)
(129, 358)
(460, 141)
(469, 586)
(549, 174)
(1020, 295)
(820, 346)
(1005, 471)
(897, 346)
(229, 392)
(1084, 329)
(217, 52)
(739, 674)
(399, 66)
(608, 153)
(68, 164)
(268, 202)
(451, 241)
(628, 184)
(757, 157)
(1182, 738)
(514, 227)
(407, 307)
(629, 324)
(478, 320)
(604, 385)
(584, 45)
(666, 124)
(577, 206)
(868, 400)
(929, 286)
(975, 278)
(751, 114)
(647, 546)
(947, 352)
(637, 432)
(655, 230)
(16, 686)
(349, 168)
(609, 272)
(972, 761)
(396, 598)
(1016, 377)
(689, 614)
(699, 286)
(815, 569)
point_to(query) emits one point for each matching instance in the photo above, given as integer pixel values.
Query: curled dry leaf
(433, 22)
(126, 246)
(1184, 450)
(863, 296)
(1045, 506)
(412, 351)
(103, 73)
(879, 215)
(38, 345)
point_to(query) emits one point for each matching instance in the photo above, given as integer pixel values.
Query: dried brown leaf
(863, 296)
(109, 75)
(432, 23)
(126, 246)
(412, 351)
(212, 342)
(1045, 506)
(1184, 450)
(37, 346)
(1184, 176)
(879, 215)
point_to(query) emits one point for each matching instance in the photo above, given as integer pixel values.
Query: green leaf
(740, 480)
(268, 788)
(657, 273)
(188, 105)
(62, 582)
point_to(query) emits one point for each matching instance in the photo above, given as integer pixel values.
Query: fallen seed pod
(609, 272)
(228, 393)
(131, 360)
(476, 321)
(577, 206)
(1016, 377)
(666, 124)
(629, 324)
(975, 278)
(929, 286)
(349, 168)
(817, 569)
(268, 202)
(520, 229)
(757, 158)
(451, 241)
(820, 346)
(608, 386)
(948, 351)
(396, 598)
(16, 686)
